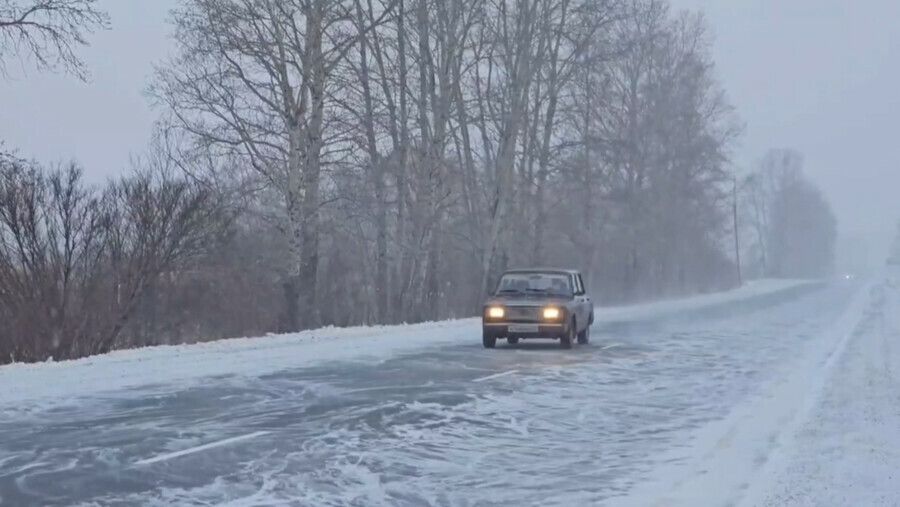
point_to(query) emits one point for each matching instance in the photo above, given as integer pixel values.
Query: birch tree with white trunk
(514, 45)
(253, 80)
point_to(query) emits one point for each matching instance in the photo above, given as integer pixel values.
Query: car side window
(581, 284)
(576, 280)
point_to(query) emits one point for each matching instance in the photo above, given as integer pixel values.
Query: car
(538, 304)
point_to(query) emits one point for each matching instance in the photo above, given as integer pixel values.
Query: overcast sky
(820, 76)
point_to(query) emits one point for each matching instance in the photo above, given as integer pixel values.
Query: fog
(101, 123)
(247, 249)
(634, 190)
(818, 76)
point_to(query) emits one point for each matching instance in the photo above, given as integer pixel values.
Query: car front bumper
(525, 330)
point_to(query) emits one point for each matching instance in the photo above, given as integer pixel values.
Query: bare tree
(75, 262)
(253, 80)
(156, 224)
(578, 36)
(794, 225)
(49, 31)
(647, 154)
(51, 241)
(514, 45)
(777, 169)
(374, 161)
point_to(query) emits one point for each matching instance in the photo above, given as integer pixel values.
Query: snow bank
(663, 308)
(180, 364)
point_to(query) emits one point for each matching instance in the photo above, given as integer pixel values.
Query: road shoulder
(848, 451)
(728, 457)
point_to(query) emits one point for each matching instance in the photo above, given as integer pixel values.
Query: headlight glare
(551, 313)
(496, 312)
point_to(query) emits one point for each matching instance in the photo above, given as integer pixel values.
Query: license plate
(523, 328)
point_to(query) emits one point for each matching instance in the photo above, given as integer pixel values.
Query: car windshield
(538, 283)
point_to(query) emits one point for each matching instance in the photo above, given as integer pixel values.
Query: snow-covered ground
(730, 454)
(37, 384)
(845, 450)
(790, 402)
(823, 433)
(680, 412)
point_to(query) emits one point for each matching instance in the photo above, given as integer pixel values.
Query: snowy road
(448, 425)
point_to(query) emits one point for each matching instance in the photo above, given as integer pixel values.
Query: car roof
(562, 271)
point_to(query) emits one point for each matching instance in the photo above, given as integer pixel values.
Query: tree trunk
(376, 171)
(519, 65)
(309, 250)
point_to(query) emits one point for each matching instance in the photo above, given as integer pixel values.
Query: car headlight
(496, 312)
(551, 313)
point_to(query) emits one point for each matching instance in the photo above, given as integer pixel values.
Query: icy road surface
(668, 408)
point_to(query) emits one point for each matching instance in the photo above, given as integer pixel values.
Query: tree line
(791, 229)
(347, 162)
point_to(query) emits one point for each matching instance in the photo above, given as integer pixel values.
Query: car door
(586, 301)
(580, 302)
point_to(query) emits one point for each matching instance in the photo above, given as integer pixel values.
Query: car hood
(525, 301)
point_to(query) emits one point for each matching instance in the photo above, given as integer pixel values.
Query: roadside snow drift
(127, 369)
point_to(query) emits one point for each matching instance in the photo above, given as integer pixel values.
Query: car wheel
(512, 341)
(584, 337)
(488, 340)
(567, 340)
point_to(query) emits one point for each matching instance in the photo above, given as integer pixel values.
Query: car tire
(512, 341)
(488, 340)
(567, 340)
(584, 337)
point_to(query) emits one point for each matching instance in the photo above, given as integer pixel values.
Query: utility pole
(737, 243)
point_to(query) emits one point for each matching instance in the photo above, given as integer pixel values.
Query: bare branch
(49, 32)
